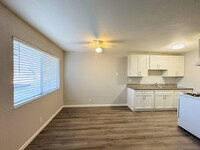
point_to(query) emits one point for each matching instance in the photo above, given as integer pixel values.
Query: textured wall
(19, 124)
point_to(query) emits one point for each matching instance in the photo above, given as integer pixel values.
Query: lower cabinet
(144, 100)
(164, 99)
(153, 99)
(140, 99)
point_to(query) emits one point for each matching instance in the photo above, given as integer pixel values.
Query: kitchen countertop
(156, 87)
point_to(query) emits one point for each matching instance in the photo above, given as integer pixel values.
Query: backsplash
(154, 77)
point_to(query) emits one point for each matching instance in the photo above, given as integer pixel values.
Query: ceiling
(132, 25)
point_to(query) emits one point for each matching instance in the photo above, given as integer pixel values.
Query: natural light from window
(35, 72)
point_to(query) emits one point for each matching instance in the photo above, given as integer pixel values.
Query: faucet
(157, 85)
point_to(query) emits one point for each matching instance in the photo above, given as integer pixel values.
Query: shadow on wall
(121, 97)
(153, 77)
(172, 81)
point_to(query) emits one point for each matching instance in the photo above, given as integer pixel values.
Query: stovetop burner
(193, 94)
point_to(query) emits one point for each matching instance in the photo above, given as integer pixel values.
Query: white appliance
(189, 113)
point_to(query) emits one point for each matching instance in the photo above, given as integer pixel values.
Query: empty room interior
(99, 74)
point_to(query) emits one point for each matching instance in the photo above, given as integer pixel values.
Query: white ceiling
(139, 25)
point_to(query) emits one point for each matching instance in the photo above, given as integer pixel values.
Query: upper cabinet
(138, 65)
(158, 62)
(172, 66)
(175, 66)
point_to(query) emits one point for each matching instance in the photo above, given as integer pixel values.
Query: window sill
(34, 98)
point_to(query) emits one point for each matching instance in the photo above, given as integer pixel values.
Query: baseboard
(36, 133)
(130, 107)
(94, 105)
(64, 106)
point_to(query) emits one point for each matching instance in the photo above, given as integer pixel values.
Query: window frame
(42, 94)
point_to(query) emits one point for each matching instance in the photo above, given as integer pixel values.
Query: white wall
(192, 72)
(88, 76)
(19, 124)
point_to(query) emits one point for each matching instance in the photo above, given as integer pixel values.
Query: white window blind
(35, 72)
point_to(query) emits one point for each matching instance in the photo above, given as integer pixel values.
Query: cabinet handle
(164, 97)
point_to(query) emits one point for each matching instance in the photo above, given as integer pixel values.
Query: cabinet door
(175, 66)
(132, 66)
(170, 72)
(158, 62)
(179, 66)
(148, 101)
(153, 62)
(168, 100)
(162, 62)
(159, 100)
(143, 65)
(137, 65)
(138, 104)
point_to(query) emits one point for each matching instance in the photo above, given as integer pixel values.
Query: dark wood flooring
(114, 128)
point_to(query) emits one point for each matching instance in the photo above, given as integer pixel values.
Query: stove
(192, 94)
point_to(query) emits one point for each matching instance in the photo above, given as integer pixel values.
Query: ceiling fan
(100, 45)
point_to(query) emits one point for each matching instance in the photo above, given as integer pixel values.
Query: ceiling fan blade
(109, 46)
(80, 42)
(117, 41)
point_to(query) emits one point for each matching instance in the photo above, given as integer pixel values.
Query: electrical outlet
(40, 119)
(129, 80)
(117, 74)
(90, 99)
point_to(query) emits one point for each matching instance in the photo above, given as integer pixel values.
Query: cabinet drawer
(164, 91)
(138, 92)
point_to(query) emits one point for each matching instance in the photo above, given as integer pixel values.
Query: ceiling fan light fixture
(99, 50)
(178, 45)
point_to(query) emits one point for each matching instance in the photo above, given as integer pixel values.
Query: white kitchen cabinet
(158, 62)
(140, 99)
(164, 99)
(175, 66)
(144, 99)
(148, 100)
(153, 99)
(138, 65)
(130, 98)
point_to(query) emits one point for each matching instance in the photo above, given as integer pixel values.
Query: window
(35, 72)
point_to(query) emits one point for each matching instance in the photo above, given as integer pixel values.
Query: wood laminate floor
(114, 128)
